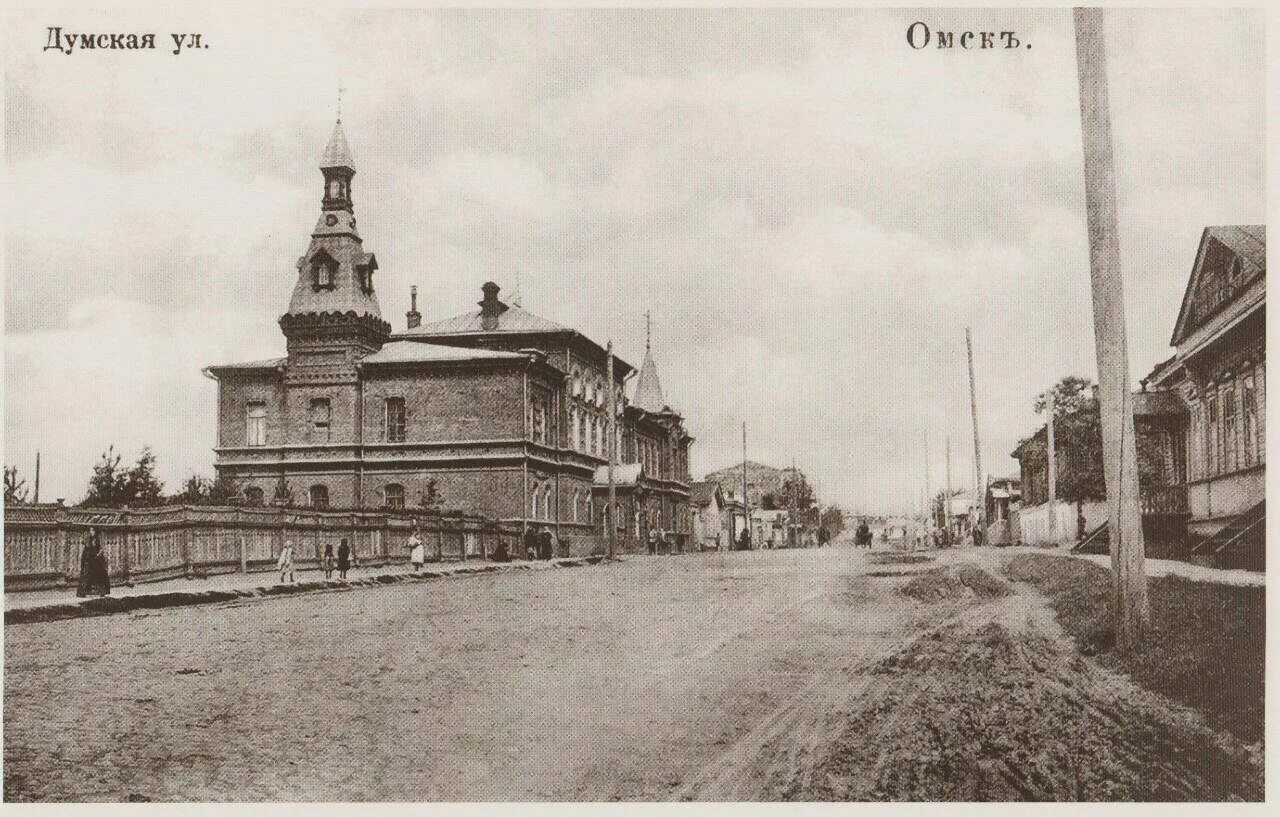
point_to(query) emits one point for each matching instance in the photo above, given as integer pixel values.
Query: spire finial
(340, 90)
(515, 295)
(648, 330)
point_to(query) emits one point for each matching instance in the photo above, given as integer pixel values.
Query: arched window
(577, 383)
(254, 495)
(573, 428)
(591, 508)
(393, 495)
(319, 496)
(320, 420)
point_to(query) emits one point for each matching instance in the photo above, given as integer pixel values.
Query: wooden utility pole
(36, 499)
(980, 488)
(1052, 467)
(928, 504)
(612, 449)
(1119, 451)
(946, 504)
(746, 505)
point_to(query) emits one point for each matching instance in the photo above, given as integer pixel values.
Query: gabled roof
(514, 320)
(412, 351)
(1247, 241)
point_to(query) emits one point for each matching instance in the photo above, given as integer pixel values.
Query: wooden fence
(42, 543)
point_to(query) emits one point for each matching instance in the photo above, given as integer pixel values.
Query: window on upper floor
(255, 424)
(394, 419)
(393, 495)
(318, 495)
(319, 417)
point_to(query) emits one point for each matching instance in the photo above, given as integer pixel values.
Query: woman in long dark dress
(344, 559)
(93, 568)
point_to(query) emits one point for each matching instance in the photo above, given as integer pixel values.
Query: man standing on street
(285, 563)
(417, 552)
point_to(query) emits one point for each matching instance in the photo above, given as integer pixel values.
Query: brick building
(495, 411)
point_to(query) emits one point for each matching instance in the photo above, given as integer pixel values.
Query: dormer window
(323, 271)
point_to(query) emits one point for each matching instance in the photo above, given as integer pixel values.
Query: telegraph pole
(36, 499)
(746, 505)
(612, 450)
(980, 488)
(946, 505)
(1120, 459)
(1051, 407)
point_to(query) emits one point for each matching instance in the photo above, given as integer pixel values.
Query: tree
(200, 490)
(15, 489)
(108, 484)
(795, 488)
(112, 487)
(142, 486)
(831, 523)
(431, 499)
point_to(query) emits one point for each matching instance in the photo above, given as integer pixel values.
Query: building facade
(1219, 372)
(495, 411)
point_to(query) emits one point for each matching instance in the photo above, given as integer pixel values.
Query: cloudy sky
(812, 211)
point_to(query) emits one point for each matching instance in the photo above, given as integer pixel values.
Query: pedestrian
(94, 576)
(326, 561)
(344, 559)
(546, 544)
(653, 542)
(531, 543)
(285, 563)
(417, 551)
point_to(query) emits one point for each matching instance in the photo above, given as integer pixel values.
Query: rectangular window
(1249, 412)
(1230, 440)
(320, 420)
(255, 431)
(394, 417)
(1211, 434)
(1260, 389)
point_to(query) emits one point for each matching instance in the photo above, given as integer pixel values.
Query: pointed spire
(515, 295)
(336, 153)
(648, 389)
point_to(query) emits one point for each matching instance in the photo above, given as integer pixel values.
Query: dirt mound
(992, 712)
(955, 582)
(899, 558)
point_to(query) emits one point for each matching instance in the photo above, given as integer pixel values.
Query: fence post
(125, 546)
(64, 544)
(187, 523)
(240, 543)
(281, 521)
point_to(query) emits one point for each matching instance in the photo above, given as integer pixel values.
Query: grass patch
(899, 558)
(1206, 648)
(954, 582)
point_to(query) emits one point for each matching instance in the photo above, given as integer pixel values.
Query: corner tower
(333, 317)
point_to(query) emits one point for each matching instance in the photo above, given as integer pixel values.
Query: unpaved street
(762, 675)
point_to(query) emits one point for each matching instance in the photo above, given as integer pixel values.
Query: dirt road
(766, 675)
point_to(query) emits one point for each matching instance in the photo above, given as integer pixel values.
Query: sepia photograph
(584, 405)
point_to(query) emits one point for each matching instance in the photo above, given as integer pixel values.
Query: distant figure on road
(326, 562)
(500, 553)
(417, 551)
(531, 543)
(546, 544)
(863, 537)
(93, 568)
(285, 563)
(344, 559)
(653, 541)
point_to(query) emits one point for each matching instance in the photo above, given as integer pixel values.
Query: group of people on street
(328, 562)
(539, 544)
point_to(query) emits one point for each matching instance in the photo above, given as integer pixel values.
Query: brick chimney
(413, 318)
(490, 307)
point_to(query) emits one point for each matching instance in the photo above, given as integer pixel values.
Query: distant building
(762, 480)
(711, 523)
(1003, 498)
